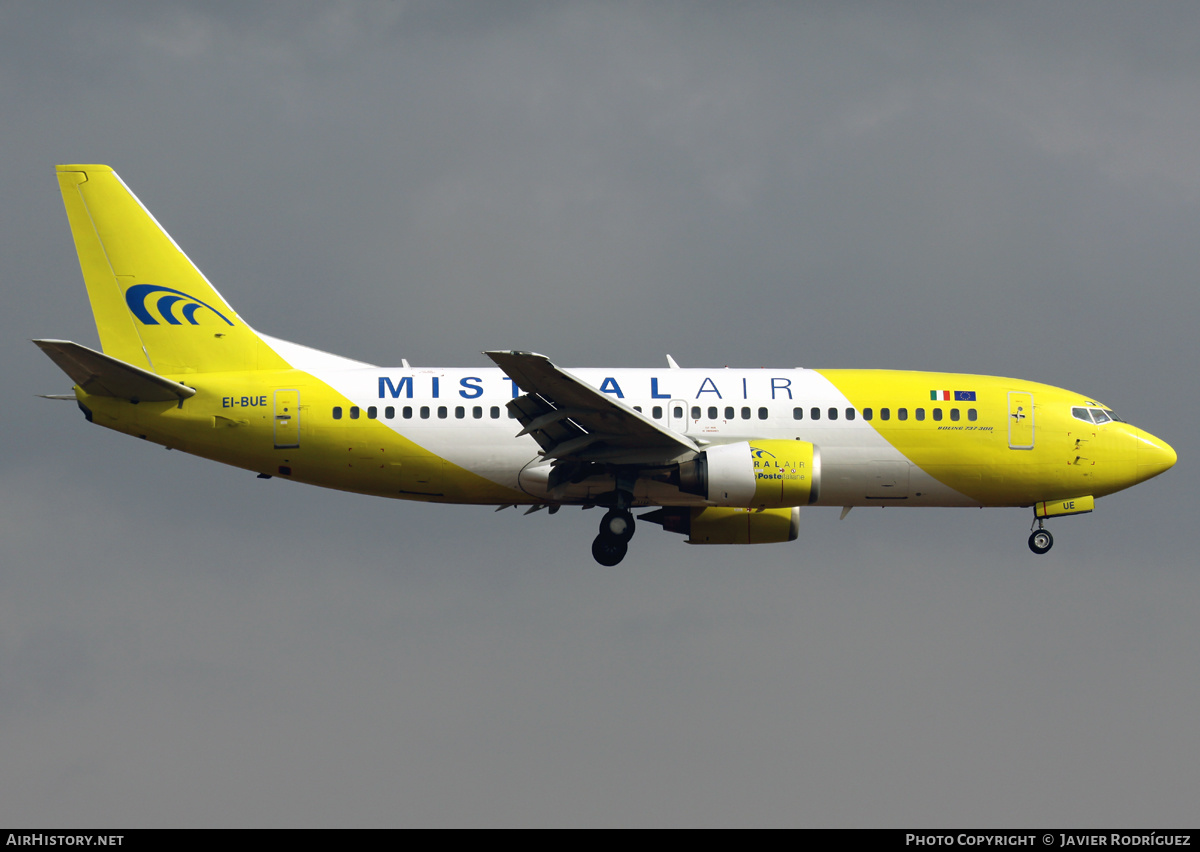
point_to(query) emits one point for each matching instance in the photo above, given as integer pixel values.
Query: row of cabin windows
(731, 413)
(814, 413)
(424, 412)
(713, 412)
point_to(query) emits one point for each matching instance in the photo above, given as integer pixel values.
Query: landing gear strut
(616, 527)
(1040, 540)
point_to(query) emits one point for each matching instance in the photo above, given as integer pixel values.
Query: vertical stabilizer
(153, 308)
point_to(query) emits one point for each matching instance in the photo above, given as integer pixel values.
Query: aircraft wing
(573, 421)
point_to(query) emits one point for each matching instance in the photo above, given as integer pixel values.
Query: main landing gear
(616, 528)
(1040, 540)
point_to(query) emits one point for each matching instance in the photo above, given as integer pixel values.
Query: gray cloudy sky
(1000, 188)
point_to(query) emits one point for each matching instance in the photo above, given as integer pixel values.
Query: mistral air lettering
(386, 388)
(474, 387)
(137, 295)
(471, 388)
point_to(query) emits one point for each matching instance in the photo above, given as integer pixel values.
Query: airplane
(722, 456)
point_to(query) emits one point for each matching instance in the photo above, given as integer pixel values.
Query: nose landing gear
(1040, 540)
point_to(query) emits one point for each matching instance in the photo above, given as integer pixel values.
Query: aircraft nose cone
(1154, 456)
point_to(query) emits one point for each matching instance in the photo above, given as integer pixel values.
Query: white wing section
(573, 421)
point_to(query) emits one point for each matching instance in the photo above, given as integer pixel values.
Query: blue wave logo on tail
(136, 296)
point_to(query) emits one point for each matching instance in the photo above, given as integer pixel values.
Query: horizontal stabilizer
(102, 375)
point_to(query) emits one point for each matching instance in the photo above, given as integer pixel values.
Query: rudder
(153, 308)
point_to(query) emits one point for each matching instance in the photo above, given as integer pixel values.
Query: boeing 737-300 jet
(721, 456)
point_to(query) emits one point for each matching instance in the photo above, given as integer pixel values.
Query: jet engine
(765, 474)
(721, 525)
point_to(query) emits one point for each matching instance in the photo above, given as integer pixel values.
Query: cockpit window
(1095, 415)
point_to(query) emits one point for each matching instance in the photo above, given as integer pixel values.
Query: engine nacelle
(721, 525)
(764, 474)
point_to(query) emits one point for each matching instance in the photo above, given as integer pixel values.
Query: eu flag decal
(952, 396)
(964, 396)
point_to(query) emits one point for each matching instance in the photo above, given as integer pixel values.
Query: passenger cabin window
(797, 413)
(762, 414)
(695, 412)
(746, 413)
(337, 412)
(354, 412)
(954, 414)
(657, 412)
(937, 414)
(920, 413)
(406, 412)
(868, 414)
(833, 413)
(460, 412)
(443, 412)
(885, 414)
(424, 412)
(849, 413)
(372, 413)
(729, 412)
(712, 412)
(901, 413)
(972, 414)
(814, 413)
(390, 412)
(678, 412)
(477, 412)
(495, 412)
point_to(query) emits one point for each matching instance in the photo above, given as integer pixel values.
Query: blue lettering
(654, 394)
(386, 386)
(744, 393)
(225, 400)
(514, 385)
(786, 386)
(470, 391)
(435, 387)
(707, 386)
(610, 386)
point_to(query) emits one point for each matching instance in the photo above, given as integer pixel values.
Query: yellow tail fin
(153, 308)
